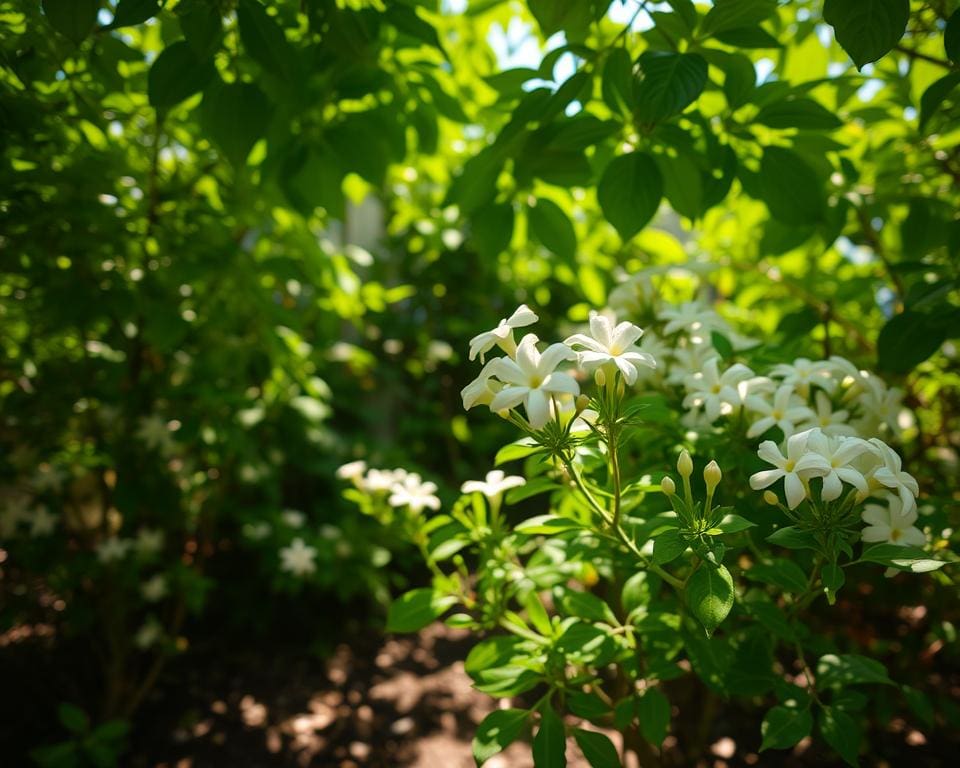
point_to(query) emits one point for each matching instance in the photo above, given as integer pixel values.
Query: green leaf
(589, 706)
(497, 731)
(709, 594)
(408, 21)
(951, 37)
(235, 116)
(935, 95)
(532, 488)
(176, 74)
(617, 82)
(552, 227)
(907, 340)
(735, 523)
(496, 651)
(264, 39)
(668, 546)
(905, 558)
(202, 26)
(629, 192)
(841, 732)
(547, 525)
(682, 183)
(520, 449)
(636, 591)
(671, 82)
(920, 705)
(783, 727)
(597, 748)
(550, 743)
(584, 605)
(790, 187)
(835, 671)
(800, 112)
(791, 537)
(130, 12)
(833, 579)
(73, 718)
(867, 29)
(722, 344)
(735, 14)
(492, 229)
(653, 711)
(414, 610)
(74, 19)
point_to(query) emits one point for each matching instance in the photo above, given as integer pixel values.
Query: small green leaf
(629, 192)
(414, 610)
(497, 731)
(73, 718)
(552, 227)
(74, 19)
(130, 12)
(835, 671)
(597, 748)
(520, 449)
(176, 74)
(653, 711)
(804, 113)
(550, 743)
(842, 733)
(833, 578)
(671, 82)
(783, 727)
(668, 546)
(547, 525)
(867, 29)
(735, 523)
(587, 705)
(709, 594)
(791, 537)
(584, 605)
(936, 93)
(780, 572)
(736, 14)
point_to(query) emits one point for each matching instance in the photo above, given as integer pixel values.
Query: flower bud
(771, 498)
(668, 486)
(685, 464)
(581, 403)
(712, 476)
(600, 377)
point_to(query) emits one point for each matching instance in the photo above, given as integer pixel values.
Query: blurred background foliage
(243, 242)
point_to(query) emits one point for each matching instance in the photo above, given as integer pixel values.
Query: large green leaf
(907, 340)
(867, 29)
(790, 187)
(671, 82)
(850, 669)
(177, 74)
(235, 116)
(416, 609)
(552, 227)
(709, 594)
(803, 112)
(629, 192)
(202, 25)
(265, 41)
(497, 731)
(841, 732)
(74, 19)
(653, 712)
(130, 12)
(951, 37)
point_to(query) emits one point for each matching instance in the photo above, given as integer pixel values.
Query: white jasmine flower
(610, 344)
(154, 589)
(383, 480)
(688, 358)
(502, 335)
(149, 541)
(298, 558)
(353, 471)
(891, 525)
(42, 523)
(654, 346)
(154, 432)
(532, 377)
(716, 393)
(633, 295)
(892, 476)
(293, 518)
(831, 422)
(415, 493)
(787, 467)
(691, 317)
(881, 405)
(113, 549)
(839, 454)
(495, 484)
(148, 634)
(480, 391)
(256, 531)
(803, 373)
(785, 411)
